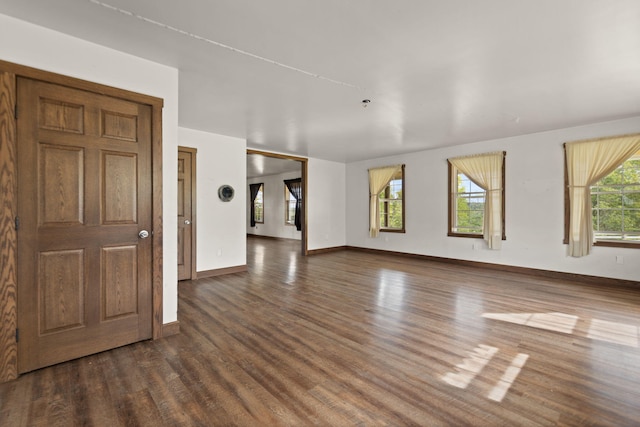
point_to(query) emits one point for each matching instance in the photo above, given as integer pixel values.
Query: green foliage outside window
(391, 202)
(469, 215)
(616, 203)
(289, 207)
(259, 214)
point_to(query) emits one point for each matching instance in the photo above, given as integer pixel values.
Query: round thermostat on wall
(225, 193)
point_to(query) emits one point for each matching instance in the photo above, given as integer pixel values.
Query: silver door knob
(187, 222)
(143, 234)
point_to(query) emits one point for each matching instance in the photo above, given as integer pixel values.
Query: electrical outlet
(619, 259)
(219, 252)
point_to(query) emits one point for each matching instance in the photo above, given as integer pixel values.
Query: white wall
(274, 225)
(220, 226)
(49, 50)
(534, 205)
(327, 204)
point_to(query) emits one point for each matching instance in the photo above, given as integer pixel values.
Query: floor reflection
(468, 304)
(391, 286)
(292, 267)
(257, 257)
(614, 332)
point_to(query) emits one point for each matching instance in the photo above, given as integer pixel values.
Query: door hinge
(17, 335)
(15, 112)
(17, 223)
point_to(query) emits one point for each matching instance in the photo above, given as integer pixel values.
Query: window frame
(567, 214)
(260, 191)
(287, 201)
(452, 200)
(387, 189)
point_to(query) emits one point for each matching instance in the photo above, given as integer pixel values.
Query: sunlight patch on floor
(557, 322)
(478, 359)
(502, 387)
(600, 330)
(470, 366)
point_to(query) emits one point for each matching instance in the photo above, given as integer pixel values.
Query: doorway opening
(263, 163)
(187, 213)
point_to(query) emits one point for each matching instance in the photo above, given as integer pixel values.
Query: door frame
(303, 171)
(193, 152)
(9, 72)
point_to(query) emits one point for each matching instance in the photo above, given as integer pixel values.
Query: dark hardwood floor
(353, 338)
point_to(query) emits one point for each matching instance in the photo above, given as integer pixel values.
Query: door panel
(61, 184)
(119, 126)
(61, 116)
(119, 171)
(61, 289)
(84, 165)
(119, 281)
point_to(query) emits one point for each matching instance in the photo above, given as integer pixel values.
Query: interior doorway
(304, 181)
(186, 213)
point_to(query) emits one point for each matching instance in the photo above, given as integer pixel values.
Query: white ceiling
(259, 165)
(290, 75)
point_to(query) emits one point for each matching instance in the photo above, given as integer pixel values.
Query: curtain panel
(485, 170)
(295, 188)
(253, 192)
(587, 162)
(378, 179)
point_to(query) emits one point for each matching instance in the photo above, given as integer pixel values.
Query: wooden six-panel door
(84, 195)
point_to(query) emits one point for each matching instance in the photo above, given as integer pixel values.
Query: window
(289, 207)
(468, 205)
(615, 201)
(476, 197)
(602, 188)
(391, 204)
(258, 206)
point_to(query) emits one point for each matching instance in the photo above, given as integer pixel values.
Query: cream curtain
(486, 171)
(587, 163)
(378, 179)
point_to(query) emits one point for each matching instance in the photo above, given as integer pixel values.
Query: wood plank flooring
(359, 339)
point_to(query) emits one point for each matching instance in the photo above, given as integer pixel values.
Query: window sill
(392, 230)
(618, 244)
(470, 235)
(612, 244)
